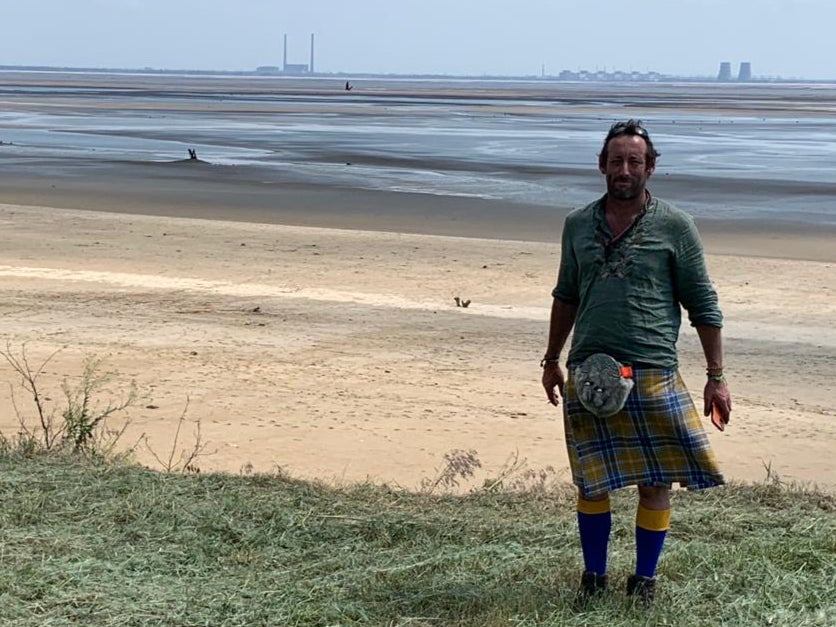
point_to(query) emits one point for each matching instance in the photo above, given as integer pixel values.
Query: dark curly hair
(630, 127)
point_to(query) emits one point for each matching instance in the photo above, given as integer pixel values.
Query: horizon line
(347, 74)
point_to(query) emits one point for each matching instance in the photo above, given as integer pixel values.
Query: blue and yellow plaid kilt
(657, 439)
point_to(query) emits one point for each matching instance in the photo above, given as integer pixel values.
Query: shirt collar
(600, 219)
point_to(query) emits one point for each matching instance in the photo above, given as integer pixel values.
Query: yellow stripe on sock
(593, 507)
(653, 519)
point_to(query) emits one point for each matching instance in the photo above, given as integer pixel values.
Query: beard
(626, 187)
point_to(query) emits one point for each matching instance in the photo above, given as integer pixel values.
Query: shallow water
(720, 164)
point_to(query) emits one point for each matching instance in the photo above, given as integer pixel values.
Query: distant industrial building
(297, 68)
(616, 76)
(744, 74)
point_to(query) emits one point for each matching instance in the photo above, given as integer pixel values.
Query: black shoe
(643, 588)
(592, 584)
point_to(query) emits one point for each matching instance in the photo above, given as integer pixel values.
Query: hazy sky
(788, 38)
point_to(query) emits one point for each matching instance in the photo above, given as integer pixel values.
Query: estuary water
(729, 152)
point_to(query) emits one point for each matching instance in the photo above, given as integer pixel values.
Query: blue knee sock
(594, 523)
(651, 529)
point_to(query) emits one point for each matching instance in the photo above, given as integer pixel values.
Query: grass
(89, 539)
(115, 544)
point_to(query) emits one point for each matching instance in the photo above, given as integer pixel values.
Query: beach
(313, 327)
(341, 355)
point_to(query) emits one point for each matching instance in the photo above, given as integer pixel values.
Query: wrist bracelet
(719, 378)
(549, 360)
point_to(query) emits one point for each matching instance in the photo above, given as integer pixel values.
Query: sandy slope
(342, 355)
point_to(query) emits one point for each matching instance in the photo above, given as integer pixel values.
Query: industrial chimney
(284, 61)
(311, 70)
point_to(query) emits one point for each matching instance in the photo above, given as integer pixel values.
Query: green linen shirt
(629, 291)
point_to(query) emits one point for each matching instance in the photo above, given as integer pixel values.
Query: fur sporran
(601, 385)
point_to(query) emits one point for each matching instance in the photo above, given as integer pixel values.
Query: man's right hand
(553, 378)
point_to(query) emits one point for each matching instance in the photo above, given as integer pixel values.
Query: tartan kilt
(657, 438)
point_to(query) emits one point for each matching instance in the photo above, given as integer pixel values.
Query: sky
(780, 38)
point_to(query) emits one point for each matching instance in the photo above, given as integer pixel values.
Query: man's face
(626, 168)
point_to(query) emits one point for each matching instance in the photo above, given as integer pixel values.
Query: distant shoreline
(659, 78)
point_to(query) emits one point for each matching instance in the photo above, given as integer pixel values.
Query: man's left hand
(718, 400)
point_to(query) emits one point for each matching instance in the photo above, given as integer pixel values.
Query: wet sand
(202, 190)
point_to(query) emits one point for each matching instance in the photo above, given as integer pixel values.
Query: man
(628, 261)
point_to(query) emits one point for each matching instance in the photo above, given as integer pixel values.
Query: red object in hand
(717, 418)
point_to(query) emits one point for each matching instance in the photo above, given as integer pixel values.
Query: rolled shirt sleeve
(568, 276)
(693, 288)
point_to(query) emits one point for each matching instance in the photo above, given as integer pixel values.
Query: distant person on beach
(628, 261)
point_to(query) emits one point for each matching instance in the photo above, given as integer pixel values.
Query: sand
(340, 354)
